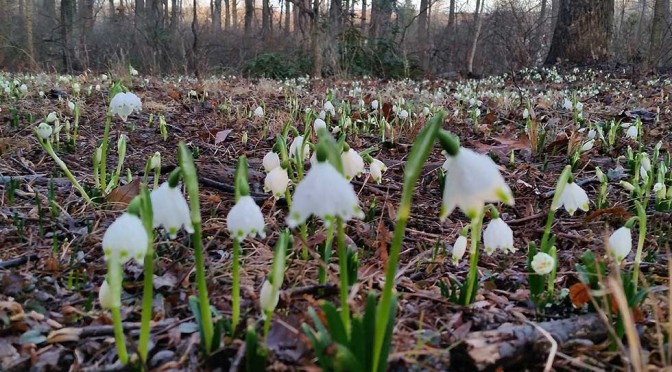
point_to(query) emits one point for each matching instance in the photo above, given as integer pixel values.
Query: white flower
(319, 124)
(328, 106)
(52, 117)
(322, 115)
(71, 106)
(588, 145)
(133, 71)
(295, 147)
(23, 88)
(268, 297)
(155, 161)
(97, 87)
(374, 104)
(170, 210)
(353, 164)
(660, 189)
(620, 243)
(126, 238)
(325, 193)
(644, 166)
(403, 114)
(543, 263)
(498, 235)
(567, 104)
(459, 248)
(76, 88)
(425, 111)
(103, 77)
(632, 132)
(526, 114)
(473, 180)
(627, 185)
(271, 161)
(376, 169)
(573, 197)
(259, 112)
(245, 219)
(44, 131)
(124, 104)
(591, 134)
(105, 296)
(276, 182)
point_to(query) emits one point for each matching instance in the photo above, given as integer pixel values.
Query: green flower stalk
(641, 219)
(270, 291)
(472, 277)
(121, 151)
(191, 184)
(114, 275)
(419, 153)
(147, 217)
(103, 151)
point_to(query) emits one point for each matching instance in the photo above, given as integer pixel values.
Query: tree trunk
(421, 33)
(217, 16)
(582, 33)
(452, 38)
(363, 17)
(234, 14)
(227, 15)
(139, 11)
(249, 13)
(67, 18)
(476, 34)
(374, 16)
(28, 22)
(110, 6)
(287, 17)
(194, 46)
(265, 18)
(315, 42)
(661, 16)
(538, 32)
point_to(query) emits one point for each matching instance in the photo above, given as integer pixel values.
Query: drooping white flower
(52, 117)
(459, 248)
(591, 134)
(322, 115)
(374, 104)
(271, 161)
(425, 111)
(155, 161)
(44, 131)
(403, 114)
(170, 210)
(295, 147)
(620, 243)
(71, 106)
(324, 193)
(498, 235)
(329, 107)
(526, 114)
(245, 219)
(124, 104)
(76, 88)
(133, 71)
(276, 182)
(473, 180)
(126, 238)
(353, 164)
(632, 132)
(660, 190)
(23, 88)
(376, 169)
(573, 197)
(105, 296)
(567, 104)
(588, 145)
(259, 112)
(543, 263)
(644, 166)
(319, 125)
(268, 298)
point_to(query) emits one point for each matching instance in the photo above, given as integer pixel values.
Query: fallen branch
(14, 262)
(511, 344)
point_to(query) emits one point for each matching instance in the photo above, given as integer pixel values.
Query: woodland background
(339, 38)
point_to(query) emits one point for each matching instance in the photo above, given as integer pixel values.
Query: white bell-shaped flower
(126, 238)
(632, 132)
(403, 114)
(573, 197)
(170, 210)
(325, 193)
(71, 106)
(245, 219)
(376, 169)
(259, 112)
(322, 115)
(124, 104)
(620, 243)
(459, 248)
(276, 182)
(105, 296)
(295, 147)
(567, 104)
(473, 180)
(268, 298)
(44, 131)
(526, 113)
(23, 88)
(592, 133)
(588, 145)
(498, 235)
(271, 161)
(52, 117)
(644, 166)
(543, 263)
(353, 164)
(329, 107)
(660, 190)
(374, 104)
(425, 111)
(319, 125)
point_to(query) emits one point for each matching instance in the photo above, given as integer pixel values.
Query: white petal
(170, 210)
(126, 238)
(245, 219)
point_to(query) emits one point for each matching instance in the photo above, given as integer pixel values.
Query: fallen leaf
(579, 294)
(222, 135)
(122, 195)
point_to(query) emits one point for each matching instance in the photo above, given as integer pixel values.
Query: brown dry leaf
(122, 195)
(490, 118)
(579, 294)
(222, 135)
(513, 144)
(64, 335)
(387, 111)
(616, 212)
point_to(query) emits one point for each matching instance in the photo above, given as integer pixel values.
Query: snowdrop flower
(425, 111)
(567, 104)
(627, 185)
(41, 93)
(23, 88)
(526, 114)
(76, 88)
(644, 166)
(498, 235)
(328, 106)
(632, 132)
(271, 161)
(52, 117)
(245, 219)
(591, 134)
(573, 197)
(473, 180)
(295, 147)
(97, 87)
(155, 161)
(660, 189)
(124, 104)
(170, 210)
(126, 238)
(325, 193)
(579, 106)
(105, 296)
(374, 104)
(353, 164)
(376, 169)
(44, 131)
(268, 298)
(319, 125)
(403, 114)
(620, 243)
(259, 112)
(276, 182)
(133, 71)
(71, 106)
(588, 145)
(103, 77)
(543, 263)
(459, 248)
(335, 130)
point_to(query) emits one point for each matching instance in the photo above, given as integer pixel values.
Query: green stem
(641, 214)
(343, 274)
(103, 155)
(235, 296)
(326, 254)
(304, 236)
(547, 230)
(472, 279)
(50, 150)
(267, 322)
(119, 338)
(147, 298)
(114, 281)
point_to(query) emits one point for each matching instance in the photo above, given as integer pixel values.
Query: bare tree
(661, 17)
(217, 16)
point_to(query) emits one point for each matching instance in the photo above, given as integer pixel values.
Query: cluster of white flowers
(124, 104)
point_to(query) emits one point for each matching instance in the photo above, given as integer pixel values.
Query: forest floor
(51, 261)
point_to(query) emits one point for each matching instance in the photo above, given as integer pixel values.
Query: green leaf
(335, 323)
(420, 151)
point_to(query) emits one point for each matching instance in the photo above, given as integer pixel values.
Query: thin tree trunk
(452, 38)
(363, 17)
(421, 33)
(227, 15)
(315, 42)
(265, 18)
(194, 46)
(139, 11)
(661, 16)
(287, 17)
(234, 14)
(30, 44)
(475, 35)
(217, 16)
